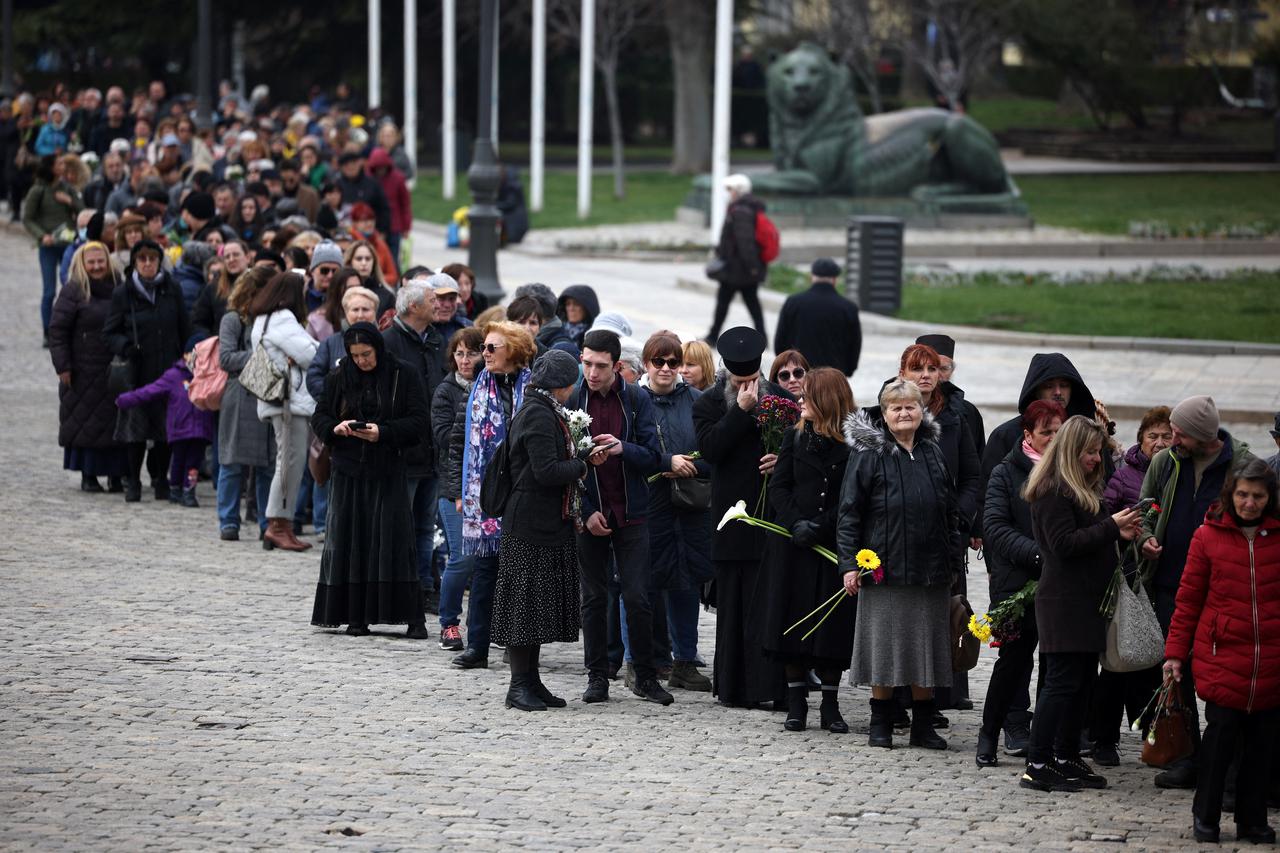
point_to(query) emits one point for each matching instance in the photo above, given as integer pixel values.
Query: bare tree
(616, 22)
(690, 25)
(858, 32)
(957, 43)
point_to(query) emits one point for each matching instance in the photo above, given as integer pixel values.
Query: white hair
(738, 184)
(410, 295)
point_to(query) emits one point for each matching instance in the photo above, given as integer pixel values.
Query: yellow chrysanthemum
(979, 628)
(867, 559)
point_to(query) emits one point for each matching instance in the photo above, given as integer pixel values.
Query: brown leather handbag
(965, 647)
(318, 461)
(1169, 739)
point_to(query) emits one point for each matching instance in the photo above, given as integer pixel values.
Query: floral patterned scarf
(486, 428)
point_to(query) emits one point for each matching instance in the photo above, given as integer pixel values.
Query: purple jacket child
(182, 420)
(1125, 486)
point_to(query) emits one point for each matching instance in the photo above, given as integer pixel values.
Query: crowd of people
(240, 291)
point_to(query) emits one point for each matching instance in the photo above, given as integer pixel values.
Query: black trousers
(1011, 676)
(1062, 705)
(724, 296)
(629, 546)
(1117, 695)
(157, 461)
(1229, 733)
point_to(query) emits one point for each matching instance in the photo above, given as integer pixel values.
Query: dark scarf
(365, 392)
(147, 289)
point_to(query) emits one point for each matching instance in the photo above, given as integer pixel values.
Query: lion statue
(823, 145)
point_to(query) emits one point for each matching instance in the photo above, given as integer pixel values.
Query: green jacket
(1167, 484)
(43, 214)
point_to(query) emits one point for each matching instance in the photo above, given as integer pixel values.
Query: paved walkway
(162, 690)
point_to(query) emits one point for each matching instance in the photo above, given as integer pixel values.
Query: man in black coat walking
(821, 323)
(413, 340)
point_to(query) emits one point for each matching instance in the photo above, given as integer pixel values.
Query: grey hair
(410, 295)
(899, 390)
(631, 358)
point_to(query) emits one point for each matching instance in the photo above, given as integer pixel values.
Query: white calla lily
(735, 512)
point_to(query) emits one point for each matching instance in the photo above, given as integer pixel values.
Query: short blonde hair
(697, 352)
(519, 341)
(492, 314)
(360, 293)
(900, 390)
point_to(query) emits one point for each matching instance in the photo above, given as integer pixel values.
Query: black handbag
(122, 373)
(690, 494)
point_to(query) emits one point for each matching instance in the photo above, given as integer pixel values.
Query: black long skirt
(798, 580)
(369, 567)
(537, 598)
(742, 676)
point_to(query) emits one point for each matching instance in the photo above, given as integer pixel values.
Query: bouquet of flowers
(1001, 624)
(775, 416)
(1108, 606)
(579, 422)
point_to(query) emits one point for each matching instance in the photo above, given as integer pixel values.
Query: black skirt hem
(391, 603)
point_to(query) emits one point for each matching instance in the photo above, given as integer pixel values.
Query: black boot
(520, 694)
(797, 706)
(540, 690)
(89, 484)
(881, 723)
(922, 733)
(162, 491)
(830, 710)
(133, 492)
(987, 745)
(115, 485)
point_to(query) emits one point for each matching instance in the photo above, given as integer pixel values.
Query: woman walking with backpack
(740, 264)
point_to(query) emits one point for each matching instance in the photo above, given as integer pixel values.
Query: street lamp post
(485, 175)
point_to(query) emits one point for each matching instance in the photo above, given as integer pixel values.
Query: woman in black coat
(86, 412)
(805, 494)
(1013, 559)
(537, 598)
(148, 324)
(371, 409)
(1077, 539)
(898, 501)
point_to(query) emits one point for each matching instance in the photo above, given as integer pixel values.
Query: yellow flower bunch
(980, 627)
(867, 559)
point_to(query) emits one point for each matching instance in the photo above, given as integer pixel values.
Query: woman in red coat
(1227, 621)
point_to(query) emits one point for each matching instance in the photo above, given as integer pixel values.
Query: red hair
(916, 357)
(1042, 412)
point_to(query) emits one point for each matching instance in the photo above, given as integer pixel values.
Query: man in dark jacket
(357, 185)
(413, 340)
(446, 319)
(1185, 480)
(729, 439)
(113, 176)
(742, 267)
(821, 323)
(614, 509)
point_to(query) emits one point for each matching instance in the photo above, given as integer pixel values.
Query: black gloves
(805, 533)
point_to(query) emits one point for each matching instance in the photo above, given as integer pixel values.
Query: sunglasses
(326, 270)
(672, 363)
(492, 348)
(785, 375)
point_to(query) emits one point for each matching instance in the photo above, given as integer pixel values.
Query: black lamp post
(485, 175)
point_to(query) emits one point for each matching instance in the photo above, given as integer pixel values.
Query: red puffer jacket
(1229, 606)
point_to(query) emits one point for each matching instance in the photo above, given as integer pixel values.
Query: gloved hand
(805, 534)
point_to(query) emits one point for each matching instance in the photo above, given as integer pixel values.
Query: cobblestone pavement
(163, 690)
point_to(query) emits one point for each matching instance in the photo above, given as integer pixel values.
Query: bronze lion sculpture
(823, 145)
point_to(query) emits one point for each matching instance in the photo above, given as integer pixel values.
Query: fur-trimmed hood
(862, 432)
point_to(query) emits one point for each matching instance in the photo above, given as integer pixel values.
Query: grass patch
(1001, 114)
(1243, 305)
(1107, 204)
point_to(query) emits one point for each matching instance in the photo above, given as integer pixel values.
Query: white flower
(735, 512)
(1136, 727)
(579, 420)
(586, 443)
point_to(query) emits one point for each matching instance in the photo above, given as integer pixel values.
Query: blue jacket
(328, 354)
(191, 280)
(679, 540)
(640, 454)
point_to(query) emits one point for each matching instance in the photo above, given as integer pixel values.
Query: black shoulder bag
(690, 494)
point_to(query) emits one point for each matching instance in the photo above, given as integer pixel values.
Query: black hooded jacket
(1044, 366)
(738, 248)
(584, 296)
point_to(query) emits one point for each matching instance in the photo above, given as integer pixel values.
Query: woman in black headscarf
(371, 410)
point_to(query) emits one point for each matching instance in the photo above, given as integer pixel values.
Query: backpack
(767, 238)
(208, 379)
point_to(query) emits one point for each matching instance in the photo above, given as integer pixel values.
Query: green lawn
(1108, 203)
(1244, 306)
(1005, 113)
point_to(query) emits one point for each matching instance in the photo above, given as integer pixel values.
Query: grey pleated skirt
(902, 636)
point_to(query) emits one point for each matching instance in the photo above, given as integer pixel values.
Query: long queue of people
(587, 483)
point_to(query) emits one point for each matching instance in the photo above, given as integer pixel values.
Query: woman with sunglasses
(679, 523)
(495, 396)
(788, 370)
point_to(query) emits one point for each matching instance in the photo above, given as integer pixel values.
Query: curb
(882, 325)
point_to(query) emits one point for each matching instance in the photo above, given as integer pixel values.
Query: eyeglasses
(492, 348)
(672, 363)
(466, 353)
(785, 375)
(326, 270)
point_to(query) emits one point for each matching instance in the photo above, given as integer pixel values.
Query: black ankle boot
(881, 733)
(133, 492)
(987, 746)
(520, 694)
(89, 484)
(797, 706)
(115, 485)
(832, 721)
(540, 690)
(922, 733)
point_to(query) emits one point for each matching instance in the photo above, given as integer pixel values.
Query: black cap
(200, 205)
(825, 268)
(349, 156)
(942, 345)
(740, 349)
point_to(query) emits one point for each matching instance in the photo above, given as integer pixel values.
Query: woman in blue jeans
(494, 399)
(448, 426)
(679, 536)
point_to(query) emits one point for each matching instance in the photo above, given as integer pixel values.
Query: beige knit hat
(1197, 417)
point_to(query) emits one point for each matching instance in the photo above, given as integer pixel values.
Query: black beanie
(199, 204)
